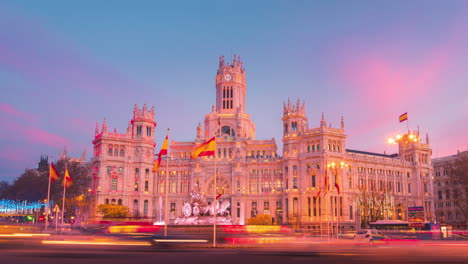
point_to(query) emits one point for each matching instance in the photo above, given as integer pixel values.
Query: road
(103, 251)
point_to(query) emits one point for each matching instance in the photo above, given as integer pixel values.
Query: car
(370, 235)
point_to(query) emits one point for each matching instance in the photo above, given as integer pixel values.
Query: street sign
(56, 209)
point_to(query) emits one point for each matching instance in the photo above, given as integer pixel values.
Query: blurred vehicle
(348, 235)
(370, 235)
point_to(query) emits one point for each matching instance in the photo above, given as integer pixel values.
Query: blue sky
(66, 65)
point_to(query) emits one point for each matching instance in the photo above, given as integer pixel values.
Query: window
(122, 153)
(309, 211)
(350, 212)
(148, 131)
(146, 186)
(172, 207)
(109, 152)
(313, 180)
(136, 186)
(295, 206)
(119, 202)
(266, 206)
(145, 208)
(137, 172)
(139, 130)
(409, 187)
(135, 208)
(315, 206)
(114, 184)
(108, 169)
(116, 152)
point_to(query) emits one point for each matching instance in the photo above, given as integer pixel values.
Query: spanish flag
(53, 174)
(67, 181)
(205, 149)
(163, 151)
(337, 186)
(404, 117)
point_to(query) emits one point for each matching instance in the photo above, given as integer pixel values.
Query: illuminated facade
(250, 173)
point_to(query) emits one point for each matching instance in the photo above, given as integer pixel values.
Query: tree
(5, 190)
(113, 211)
(458, 171)
(261, 219)
(373, 204)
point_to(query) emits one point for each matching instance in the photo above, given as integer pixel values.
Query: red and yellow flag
(53, 174)
(205, 149)
(404, 117)
(163, 151)
(67, 180)
(337, 186)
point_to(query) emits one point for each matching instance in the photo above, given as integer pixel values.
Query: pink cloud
(16, 131)
(13, 112)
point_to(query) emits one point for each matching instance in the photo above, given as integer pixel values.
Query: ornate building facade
(250, 173)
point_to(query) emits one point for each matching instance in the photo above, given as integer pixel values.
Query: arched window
(135, 208)
(116, 152)
(313, 148)
(113, 201)
(227, 131)
(107, 201)
(119, 202)
(145, 208)
(121, 153)
(109, 152)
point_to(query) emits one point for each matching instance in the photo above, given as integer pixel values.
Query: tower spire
(96, 130)
(323, 123)
(104, 125)
(342, 123)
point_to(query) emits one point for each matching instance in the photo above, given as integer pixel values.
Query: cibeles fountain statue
(199, 212)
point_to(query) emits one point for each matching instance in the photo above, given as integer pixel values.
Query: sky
(67, 65)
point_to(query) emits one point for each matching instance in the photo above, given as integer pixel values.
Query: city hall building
(251, 174)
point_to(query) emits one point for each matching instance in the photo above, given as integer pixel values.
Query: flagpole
(64, 191)
(48, 197)
(166, 218)
(215, 185)
(214, 198)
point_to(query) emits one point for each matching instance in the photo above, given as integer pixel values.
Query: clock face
(227, 77)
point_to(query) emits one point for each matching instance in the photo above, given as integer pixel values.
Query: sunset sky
(67, 65)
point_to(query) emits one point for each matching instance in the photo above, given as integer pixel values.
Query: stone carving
(198, 212)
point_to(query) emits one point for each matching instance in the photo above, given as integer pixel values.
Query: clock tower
(230, 86)
(229, 111)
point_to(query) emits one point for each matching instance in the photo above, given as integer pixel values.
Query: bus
(404, 229)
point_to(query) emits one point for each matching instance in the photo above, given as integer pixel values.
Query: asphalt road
(34, 251)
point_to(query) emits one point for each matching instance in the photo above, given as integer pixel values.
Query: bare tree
(458, 171)
(373, 204)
